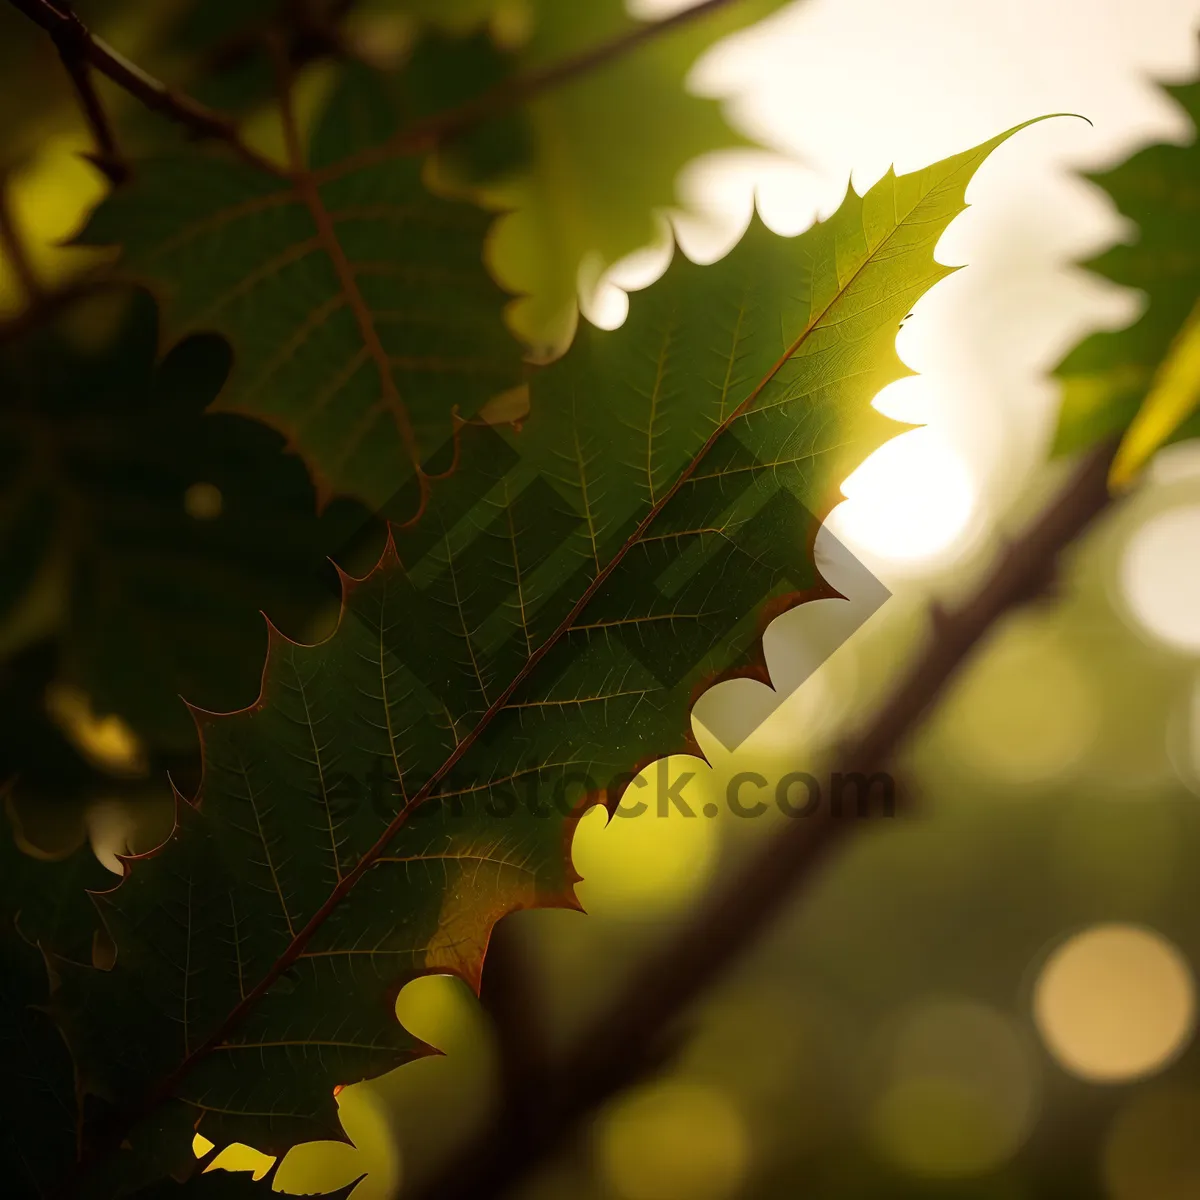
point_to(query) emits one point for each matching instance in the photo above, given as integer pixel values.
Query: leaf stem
(628, 1038)
(66, 29)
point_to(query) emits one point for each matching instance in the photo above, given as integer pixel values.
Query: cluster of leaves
(151, 510)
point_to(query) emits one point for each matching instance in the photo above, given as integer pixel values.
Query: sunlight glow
(911, 502)
(1160, 577)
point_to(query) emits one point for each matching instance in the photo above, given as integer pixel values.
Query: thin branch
(430, 131)
(71, 42)
(197, 118)
(12, 247)
(423, 135)
(630, 1035)
(511, 995)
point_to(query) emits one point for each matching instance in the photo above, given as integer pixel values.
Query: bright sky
(846, 87)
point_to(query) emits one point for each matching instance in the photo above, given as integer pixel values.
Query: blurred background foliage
(994, 998)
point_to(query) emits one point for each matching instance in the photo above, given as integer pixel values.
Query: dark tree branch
(71, 42)
(198, 119)
(630, 1035)
(512, 997)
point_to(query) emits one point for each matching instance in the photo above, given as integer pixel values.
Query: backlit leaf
(541, 633)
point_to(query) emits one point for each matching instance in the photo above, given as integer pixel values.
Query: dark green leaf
(362, 320)
(108, 451)
(399, 787)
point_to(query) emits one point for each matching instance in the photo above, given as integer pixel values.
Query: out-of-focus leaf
(608, 148)
(362, 320)
(105, 452)
(1173, 397)
(570, 590)
(1145, 379)
(580, 173)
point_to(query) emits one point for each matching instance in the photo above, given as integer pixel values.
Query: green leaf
(1143, 379)
(362, 320)
(399, 787)
(105, 452)
(47, 916)
(608, 148)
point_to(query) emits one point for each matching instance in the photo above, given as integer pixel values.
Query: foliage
(1143, 382)
(520, 640)
(102, 446)
(553, 595)
(579, 201)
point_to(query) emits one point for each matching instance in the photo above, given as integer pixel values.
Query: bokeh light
(1026, 712)
(1114, 1003)
(961, 1094)
(1160, 577)
(673, 1141)
(1153, 1148)
(107, 741)
(203, 501)
(643, 866)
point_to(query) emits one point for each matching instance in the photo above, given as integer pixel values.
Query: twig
(423, 135)
(12, 245)
(511, 996)
(630, 1035)
(430, 131)
(71, 43)
(198, 119)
